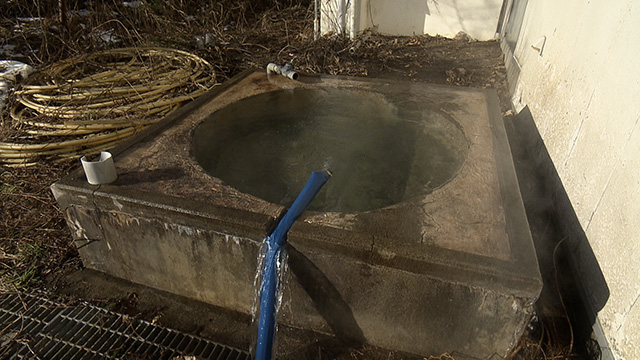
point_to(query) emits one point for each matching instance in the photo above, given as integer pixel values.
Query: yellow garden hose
(89, 103)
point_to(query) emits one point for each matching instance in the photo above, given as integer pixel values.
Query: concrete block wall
(477, 18)
(582, 86)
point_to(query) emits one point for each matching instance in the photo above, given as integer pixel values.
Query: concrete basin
(418, 243)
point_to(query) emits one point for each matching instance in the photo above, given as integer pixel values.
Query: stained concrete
(452, 270)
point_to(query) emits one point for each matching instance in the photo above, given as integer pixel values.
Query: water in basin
(379, 150)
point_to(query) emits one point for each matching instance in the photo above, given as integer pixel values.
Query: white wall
(478, 18)
(583, 91)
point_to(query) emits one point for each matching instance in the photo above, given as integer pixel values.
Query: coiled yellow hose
(90, 103)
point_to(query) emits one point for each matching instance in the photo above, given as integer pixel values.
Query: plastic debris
(207, 40)
(11, 72)
(132, 4)
(81, 12)
(106, 37)
(9, 50)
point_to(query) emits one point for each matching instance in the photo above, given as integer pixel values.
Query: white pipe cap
(101, 171)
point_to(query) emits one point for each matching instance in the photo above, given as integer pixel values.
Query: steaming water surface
(380, 151)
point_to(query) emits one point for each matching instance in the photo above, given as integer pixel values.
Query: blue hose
(275, 243)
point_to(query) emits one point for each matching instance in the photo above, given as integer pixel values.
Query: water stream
(283, 283)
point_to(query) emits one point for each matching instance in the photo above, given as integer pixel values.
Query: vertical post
(316, 20)
(342, 15)
(353, 18)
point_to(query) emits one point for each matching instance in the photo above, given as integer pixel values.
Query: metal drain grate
(33, 327)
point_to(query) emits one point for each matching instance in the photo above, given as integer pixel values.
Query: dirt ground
(36, 250)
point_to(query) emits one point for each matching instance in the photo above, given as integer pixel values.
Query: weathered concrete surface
(453, 270)
(581, 88)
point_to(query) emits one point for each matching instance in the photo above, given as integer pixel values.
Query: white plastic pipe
(286, 70)
(101, 171)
